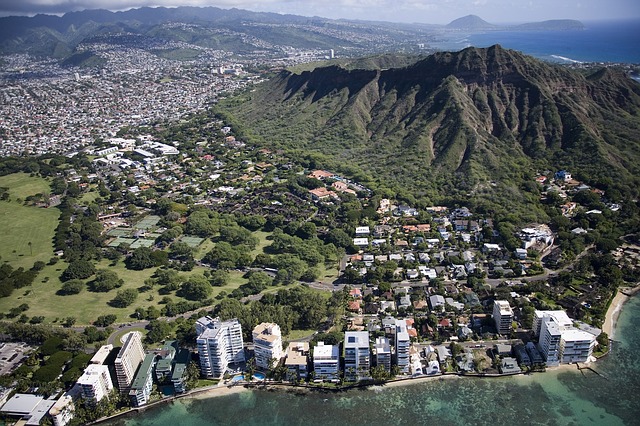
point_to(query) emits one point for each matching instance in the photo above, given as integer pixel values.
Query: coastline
(609, 326)
(611, 318)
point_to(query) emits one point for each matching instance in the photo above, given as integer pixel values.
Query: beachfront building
(128, 360)
(559, 341)
(403, 345)
(296, 361)
(95, 383)
(64, 409)
(502, 316)
(267, 344)
(357, 355)
(143, 382)
(383, 353)
(219, 344)
(326, 362)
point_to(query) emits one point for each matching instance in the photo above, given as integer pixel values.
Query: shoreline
(622, 296)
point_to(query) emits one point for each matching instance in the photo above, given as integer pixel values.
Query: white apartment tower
(559, 341)
(95, 383)
(326, 360)
(403, 344)
(128, 360)
(357, 355)
(503, 316)
(219, 344)
(267, 343)
(383, 353)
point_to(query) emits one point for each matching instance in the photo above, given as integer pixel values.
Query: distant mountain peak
(469, 22)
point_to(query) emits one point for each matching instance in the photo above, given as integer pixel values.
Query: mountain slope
(453, 123)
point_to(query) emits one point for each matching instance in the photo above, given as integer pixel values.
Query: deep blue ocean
(610, 41)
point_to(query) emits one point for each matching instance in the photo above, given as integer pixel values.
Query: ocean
(556, 397)
(598, 42)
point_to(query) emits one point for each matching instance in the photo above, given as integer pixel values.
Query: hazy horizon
(402, 11)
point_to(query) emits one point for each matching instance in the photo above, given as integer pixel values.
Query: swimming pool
(256, 376)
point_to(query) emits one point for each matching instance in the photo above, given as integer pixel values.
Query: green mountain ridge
(452, 124)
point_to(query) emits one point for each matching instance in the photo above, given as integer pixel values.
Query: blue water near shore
(557, 397)
(598, 42)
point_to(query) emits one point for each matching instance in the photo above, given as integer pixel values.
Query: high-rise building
(503, 316)
(219, 344)
(143, 382)
(403, 345)
(267, 343)
(357, 355)
(326, 361)
(559, 341)
(95, 383)
(383, 353)
(128, 360)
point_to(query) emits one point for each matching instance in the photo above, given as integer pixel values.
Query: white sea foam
(564, 58)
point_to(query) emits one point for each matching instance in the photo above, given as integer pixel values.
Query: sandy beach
(216, 391)
(611, 318)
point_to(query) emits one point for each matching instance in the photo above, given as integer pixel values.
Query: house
(361, 242)
(454, 304)
(322, 193)
(413, 274)
(521, 253)
(502, 349)
(509, 365)
(465, 362)
(321, 174)
(362, 230)
(435, 301)
(420, 305)
(444, 353)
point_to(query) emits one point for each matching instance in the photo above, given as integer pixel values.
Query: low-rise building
(297, 361)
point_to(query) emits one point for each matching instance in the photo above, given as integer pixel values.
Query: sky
(421, 11)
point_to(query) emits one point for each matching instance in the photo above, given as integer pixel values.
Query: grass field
(21, 225)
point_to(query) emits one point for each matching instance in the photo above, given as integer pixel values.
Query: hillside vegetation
(468, 127)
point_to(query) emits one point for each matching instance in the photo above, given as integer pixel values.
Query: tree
(219, 278)
(106, 280)
(78, 269)
(158, 331)
(124, 298)
(71, 287)
(197, 287)
(141, 259)
(105, 320)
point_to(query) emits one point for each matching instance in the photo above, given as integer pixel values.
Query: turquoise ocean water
(551, 398)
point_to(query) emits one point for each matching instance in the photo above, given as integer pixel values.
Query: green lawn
(298, 334)
(21, 225)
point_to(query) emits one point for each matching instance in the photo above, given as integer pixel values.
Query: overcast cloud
(428, 11)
